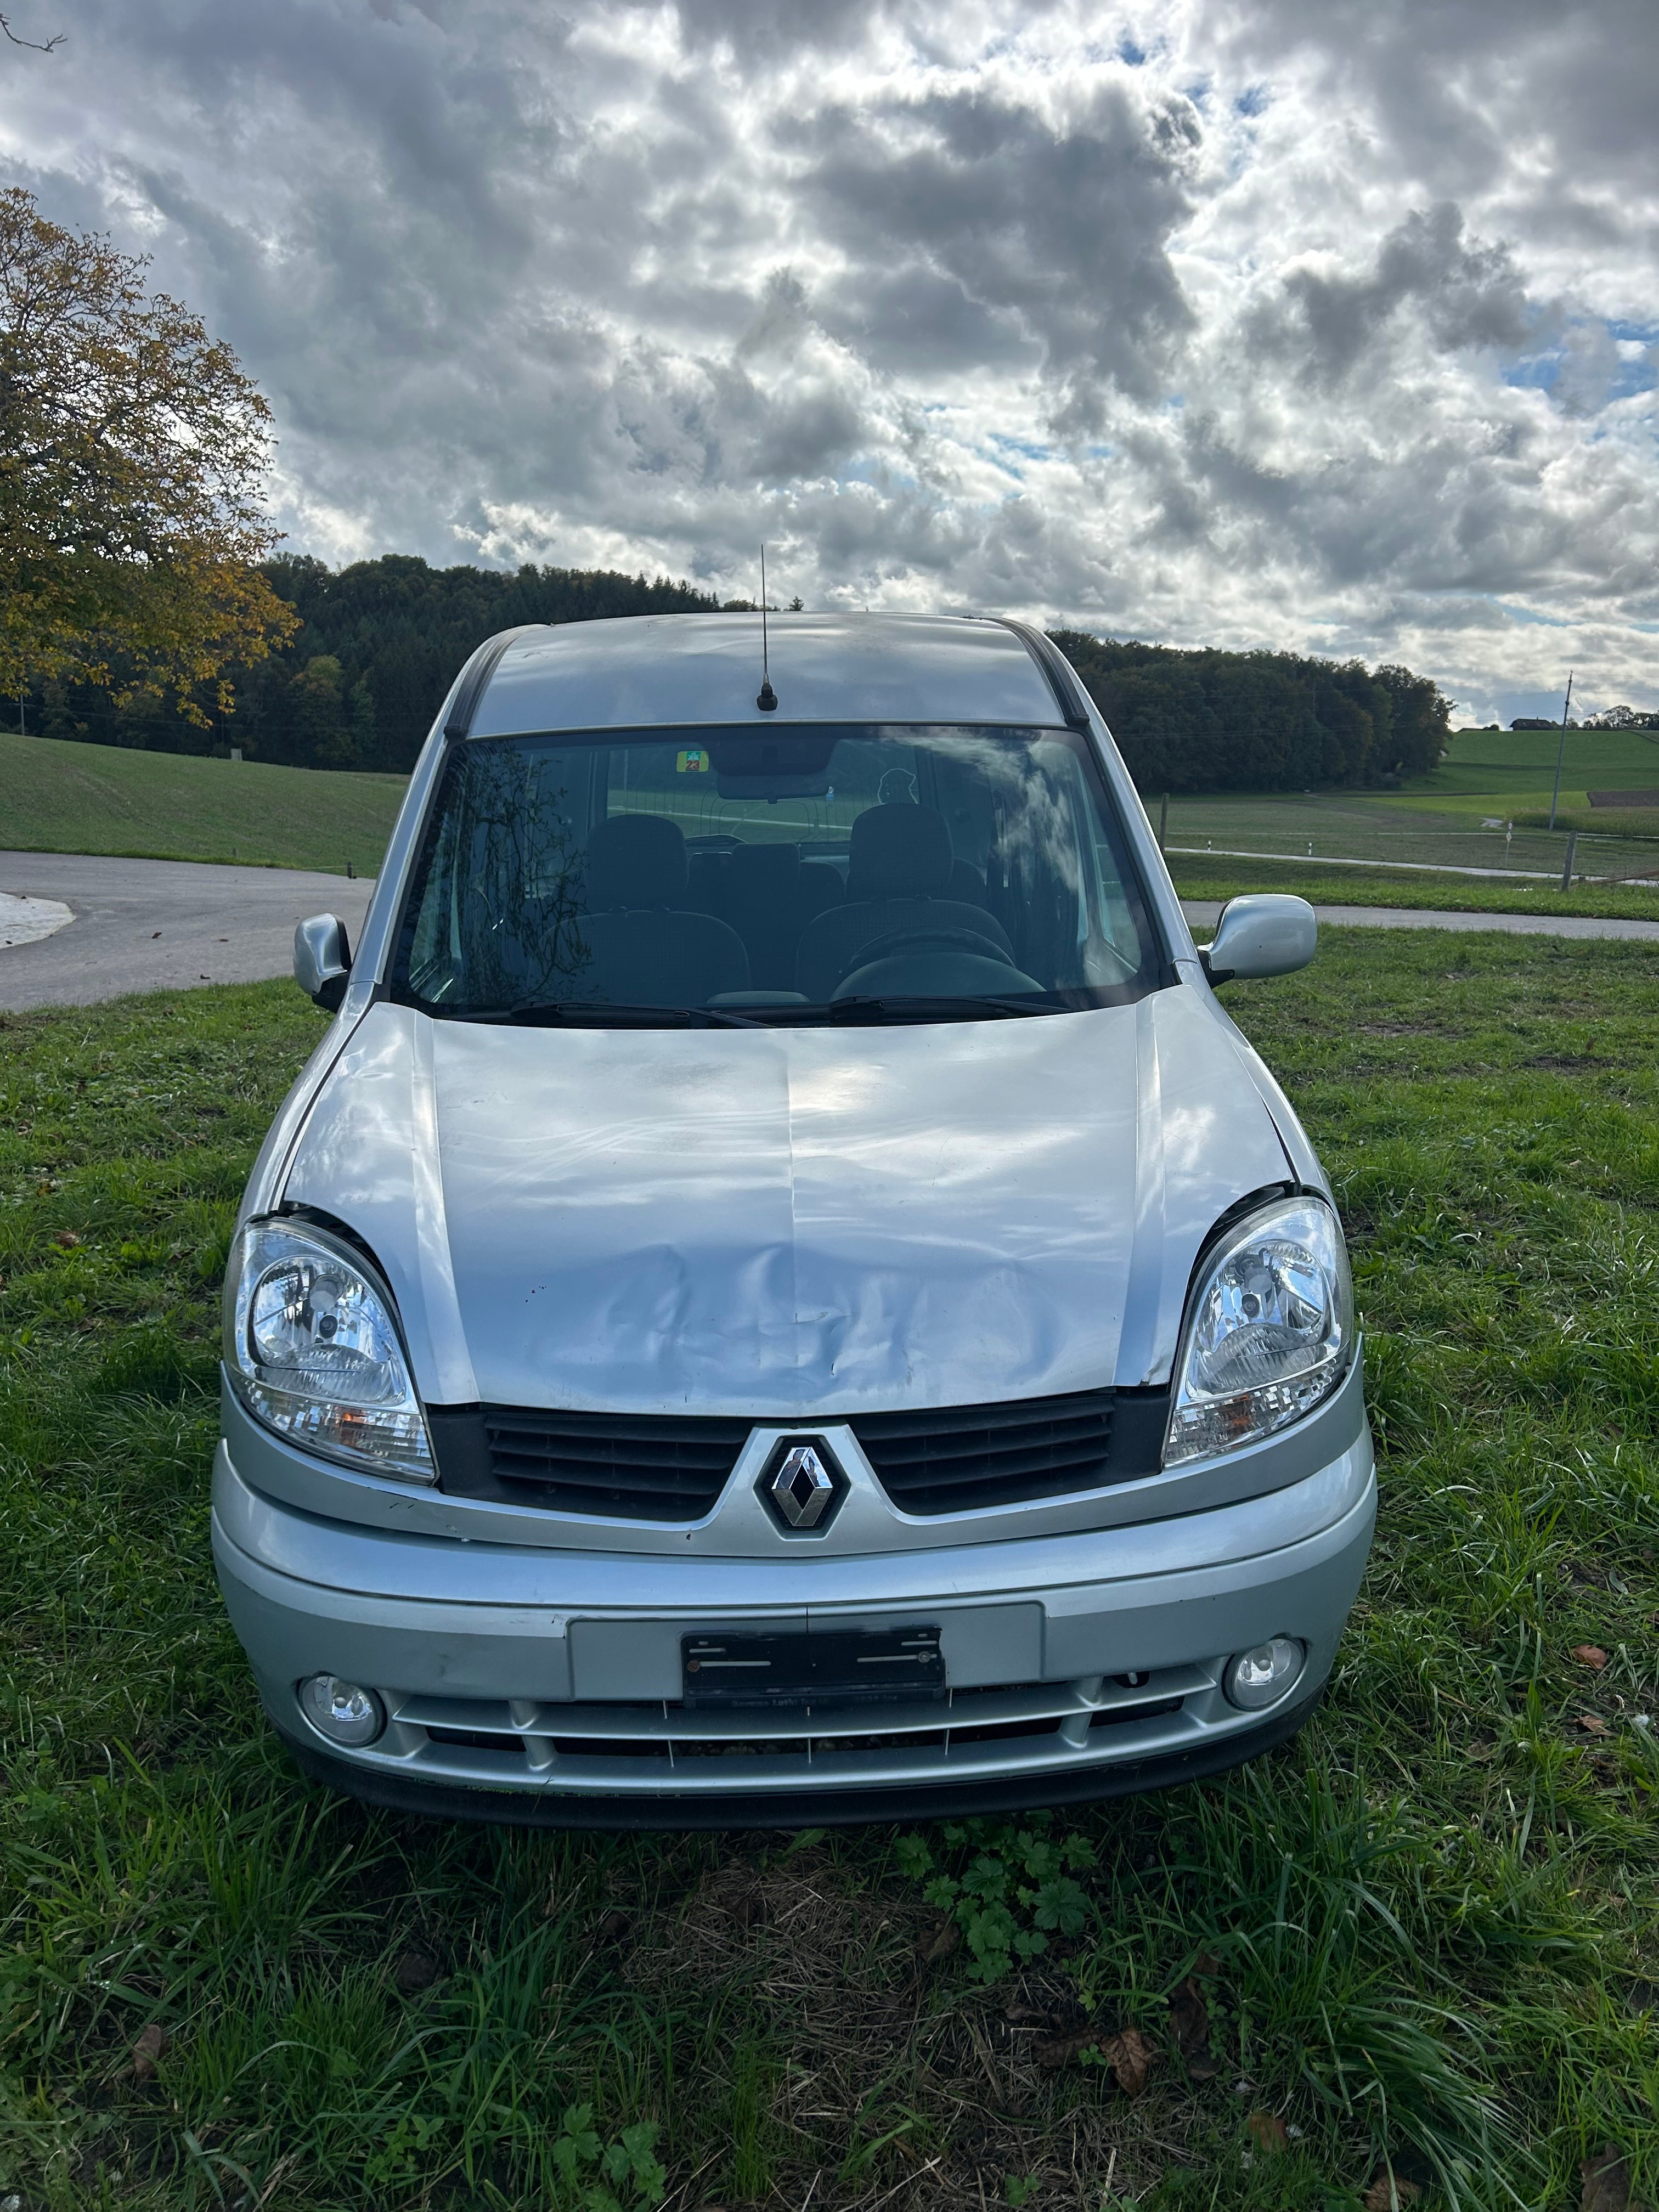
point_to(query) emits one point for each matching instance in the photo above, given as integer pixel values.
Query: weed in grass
(1421, 1936)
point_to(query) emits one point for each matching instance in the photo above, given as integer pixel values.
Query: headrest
(636, 859)
(899, 851)
(763, 871)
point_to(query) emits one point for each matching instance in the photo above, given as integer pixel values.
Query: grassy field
(1421, 1939)
(1486, 760)
(1455, 816)
(58, 797)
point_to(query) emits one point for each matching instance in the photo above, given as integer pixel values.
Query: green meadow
(1409, 1958)
(58, 796)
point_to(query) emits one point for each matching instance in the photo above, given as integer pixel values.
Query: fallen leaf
(1591, 1725)
(154, 933)
(1130, 2058)
(938, 1942)
(1606, 2181)
(1189, 2020)
(1590, 1654)
(1267, 2130)
(416, 1970)
(67, 1238)
(152, 2042)
(1388, 2193)
(1206, 1963)
(1055, 2049)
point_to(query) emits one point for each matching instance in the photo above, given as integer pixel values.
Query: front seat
(899, 877)
(645, 947)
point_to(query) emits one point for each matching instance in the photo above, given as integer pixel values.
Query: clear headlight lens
(1269, 1333)
(312, 1349)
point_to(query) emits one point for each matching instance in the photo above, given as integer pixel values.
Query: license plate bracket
(796, 1669)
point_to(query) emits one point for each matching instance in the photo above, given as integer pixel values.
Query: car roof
(689, 670)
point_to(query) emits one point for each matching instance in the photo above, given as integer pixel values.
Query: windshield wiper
(894, 1008)
(581, 1013)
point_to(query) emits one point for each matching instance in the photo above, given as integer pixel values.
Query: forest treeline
(1209, 721)
(378, 643)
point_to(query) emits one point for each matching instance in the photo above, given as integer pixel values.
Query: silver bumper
(1075, 1662)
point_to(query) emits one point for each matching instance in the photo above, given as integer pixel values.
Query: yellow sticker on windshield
(693, 762)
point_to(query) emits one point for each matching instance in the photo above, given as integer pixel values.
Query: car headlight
(1269, 1331)
(313, 1351)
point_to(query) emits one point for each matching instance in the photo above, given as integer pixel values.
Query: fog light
(340, 1711)
(1261, 1677)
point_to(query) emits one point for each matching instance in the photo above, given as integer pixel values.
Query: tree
(132, 454)
(35, 46)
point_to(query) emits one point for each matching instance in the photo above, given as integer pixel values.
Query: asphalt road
(154, 925)
(1204, 913)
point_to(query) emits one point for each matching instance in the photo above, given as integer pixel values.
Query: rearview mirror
(1264, 933)
(322, 960)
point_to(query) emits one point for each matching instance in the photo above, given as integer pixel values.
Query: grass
(57, 796)
(1602, 760)
(1199, 876)
(1420, 1939)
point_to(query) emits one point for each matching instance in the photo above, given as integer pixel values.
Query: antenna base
(767, 699)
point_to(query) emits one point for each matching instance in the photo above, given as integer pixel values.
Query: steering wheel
(911, 940)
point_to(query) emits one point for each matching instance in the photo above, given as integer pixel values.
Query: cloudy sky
(1322, 324)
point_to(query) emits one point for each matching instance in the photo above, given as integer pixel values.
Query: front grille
(957, 1458)
(618, 1467)
(671, 1468)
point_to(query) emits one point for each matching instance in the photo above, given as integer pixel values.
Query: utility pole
(1560, 751)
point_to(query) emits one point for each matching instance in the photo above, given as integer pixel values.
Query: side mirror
(322, 960)
(1263, 933)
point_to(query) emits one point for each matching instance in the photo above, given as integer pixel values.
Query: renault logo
(802, 1484)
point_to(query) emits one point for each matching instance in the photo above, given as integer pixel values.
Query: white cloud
(1310, 325)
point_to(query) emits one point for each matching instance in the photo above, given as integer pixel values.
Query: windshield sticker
(693, 762)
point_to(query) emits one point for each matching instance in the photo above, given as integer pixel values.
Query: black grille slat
(1014, 1458)
(963, 1444)
(962, 1457)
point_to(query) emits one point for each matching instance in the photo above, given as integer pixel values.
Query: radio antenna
(766, 699)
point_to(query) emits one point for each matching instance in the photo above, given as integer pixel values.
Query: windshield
(801, 874)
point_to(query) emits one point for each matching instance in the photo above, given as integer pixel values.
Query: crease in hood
(798, 1222)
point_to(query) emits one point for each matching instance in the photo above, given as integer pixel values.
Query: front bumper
(545, 1686)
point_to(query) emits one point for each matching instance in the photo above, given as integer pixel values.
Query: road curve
(159, 924)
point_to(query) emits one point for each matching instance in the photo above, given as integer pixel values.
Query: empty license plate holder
(797, 1669)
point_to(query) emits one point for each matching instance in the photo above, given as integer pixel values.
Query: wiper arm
(894, 1008)
(583, 1013)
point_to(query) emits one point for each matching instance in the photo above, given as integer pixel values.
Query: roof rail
(1053, 663)
(475, 677)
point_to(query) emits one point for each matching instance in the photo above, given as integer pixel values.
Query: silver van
(781, 1296)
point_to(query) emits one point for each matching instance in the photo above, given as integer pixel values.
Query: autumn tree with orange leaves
(133, 451)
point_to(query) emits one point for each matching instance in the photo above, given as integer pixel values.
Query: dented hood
(797, 1222)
